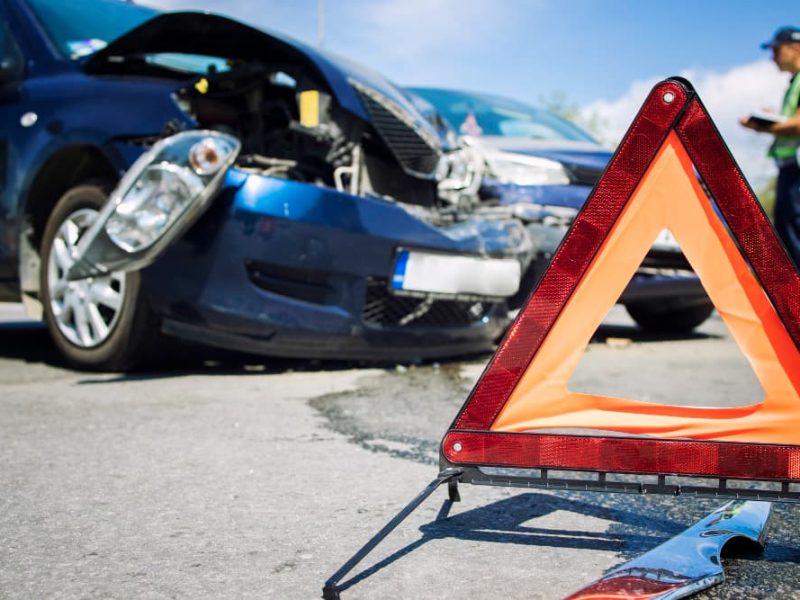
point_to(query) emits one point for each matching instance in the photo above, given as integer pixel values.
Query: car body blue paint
(74, 110)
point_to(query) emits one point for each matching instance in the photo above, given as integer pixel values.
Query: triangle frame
(672, 119)
(672, 115)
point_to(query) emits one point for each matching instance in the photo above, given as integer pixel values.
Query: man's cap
(784, 35)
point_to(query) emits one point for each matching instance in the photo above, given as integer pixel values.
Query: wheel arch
(69, 166)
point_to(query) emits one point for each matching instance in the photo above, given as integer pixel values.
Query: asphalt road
(233, 477)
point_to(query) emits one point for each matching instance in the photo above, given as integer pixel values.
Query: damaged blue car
(185, 175)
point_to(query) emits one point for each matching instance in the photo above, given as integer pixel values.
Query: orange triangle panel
(650, 184)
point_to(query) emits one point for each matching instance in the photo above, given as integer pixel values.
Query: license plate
(430, 272)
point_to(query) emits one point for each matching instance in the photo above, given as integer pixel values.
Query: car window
(9, 50)
(483, 114)
(80, 27)
(188, 63)
(12, 61)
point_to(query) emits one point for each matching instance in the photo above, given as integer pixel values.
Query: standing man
(785, 46)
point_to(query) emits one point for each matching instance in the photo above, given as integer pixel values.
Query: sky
(602, 57)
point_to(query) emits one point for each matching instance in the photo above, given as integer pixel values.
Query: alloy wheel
(85, 310)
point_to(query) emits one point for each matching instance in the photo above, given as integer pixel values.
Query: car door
(12, 67)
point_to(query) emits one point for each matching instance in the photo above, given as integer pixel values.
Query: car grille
(397, 130)
(385, 309)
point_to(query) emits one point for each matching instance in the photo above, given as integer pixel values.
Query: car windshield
(80, 27)
(483, 114)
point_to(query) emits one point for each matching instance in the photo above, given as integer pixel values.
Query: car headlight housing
(459, 175)
(159, 190)
(518, 169)
(160, 196)
(155, 201)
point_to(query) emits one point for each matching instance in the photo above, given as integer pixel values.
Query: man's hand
(760, 126)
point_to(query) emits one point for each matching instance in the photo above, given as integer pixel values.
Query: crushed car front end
(336, 222)
(286, 268)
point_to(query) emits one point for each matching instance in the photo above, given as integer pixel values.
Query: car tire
(658, 319)
(100, 323)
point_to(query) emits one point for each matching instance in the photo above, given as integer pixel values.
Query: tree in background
(557, 102)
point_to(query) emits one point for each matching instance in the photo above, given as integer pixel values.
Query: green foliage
(557, 102)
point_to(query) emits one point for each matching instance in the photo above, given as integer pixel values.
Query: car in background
(541, 168)
(186, 175)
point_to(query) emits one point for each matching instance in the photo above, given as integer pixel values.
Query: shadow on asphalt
(505, 522)
(29, 342)
(630, 534)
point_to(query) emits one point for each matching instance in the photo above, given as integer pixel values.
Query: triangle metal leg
(449, 476)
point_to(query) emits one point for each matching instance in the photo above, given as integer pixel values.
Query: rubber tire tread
(671, 320)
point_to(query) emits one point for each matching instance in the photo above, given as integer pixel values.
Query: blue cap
(784, 35)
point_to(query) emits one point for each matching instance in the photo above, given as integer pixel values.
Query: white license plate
(418, 271)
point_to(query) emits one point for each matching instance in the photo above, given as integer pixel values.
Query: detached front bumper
(290, 269)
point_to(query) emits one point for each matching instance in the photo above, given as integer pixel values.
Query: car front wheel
(652, 317)
(98, 323)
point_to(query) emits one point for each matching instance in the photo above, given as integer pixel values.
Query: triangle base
(641, 456)
(599, 481)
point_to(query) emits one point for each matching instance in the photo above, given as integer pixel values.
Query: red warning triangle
(650, 184)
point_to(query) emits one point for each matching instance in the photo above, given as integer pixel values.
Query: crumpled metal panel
(687, 563)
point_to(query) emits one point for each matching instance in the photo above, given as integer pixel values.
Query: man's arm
(790, 127)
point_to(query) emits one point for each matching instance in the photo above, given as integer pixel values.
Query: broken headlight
(156, 200)
(459, 175)
(154, 195)
(159, 197)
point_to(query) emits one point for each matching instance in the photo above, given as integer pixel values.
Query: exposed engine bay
(305, 116)
(301, 114)
(290, 126)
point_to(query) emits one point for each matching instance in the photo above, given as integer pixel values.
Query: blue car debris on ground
(541, 169)
(264, 196)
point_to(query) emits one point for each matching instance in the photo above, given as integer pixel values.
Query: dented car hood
(214, 35)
